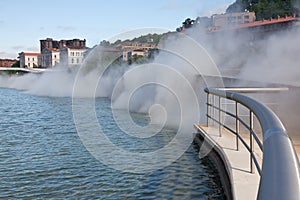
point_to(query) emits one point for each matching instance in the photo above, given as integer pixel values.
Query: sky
(24, 23)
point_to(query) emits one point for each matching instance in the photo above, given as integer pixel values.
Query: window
(77, 60)
(72, 60)
(55, 56)
(28, 59)
(32, 59)
(28, 64)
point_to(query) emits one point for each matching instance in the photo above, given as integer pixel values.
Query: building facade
(128, 55)
(50, 57)
(29, 60)
(230, 19)
(72, 56)
(130, 46)
(50, 43)
(7, 62)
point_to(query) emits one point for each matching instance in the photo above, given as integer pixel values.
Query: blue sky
(24, 23)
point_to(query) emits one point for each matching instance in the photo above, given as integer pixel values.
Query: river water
(42, 156)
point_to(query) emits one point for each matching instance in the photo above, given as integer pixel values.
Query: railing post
(220, 127)
(237, 125)
(214, 110)
(251, 141)
(207, 109)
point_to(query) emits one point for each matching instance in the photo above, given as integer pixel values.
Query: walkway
(244, 183)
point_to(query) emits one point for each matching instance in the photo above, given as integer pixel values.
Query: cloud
(217, 9)
(201, 9)
(171, 6)
(25, 48)
(66, 28)
(174, 6)
(33, 48)
(18, 47)
(4, 54)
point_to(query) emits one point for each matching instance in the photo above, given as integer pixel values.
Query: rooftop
(30, 54)
(53, 49)
(255, 24)
(72, 47)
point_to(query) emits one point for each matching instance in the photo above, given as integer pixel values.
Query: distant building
(260, 28)
(72, 56)
(66, 52)
(129, 46)
(203, 22)
(29, 60)
(130, 49)
(7, 62)
(128, 55)
(50, 43)
(50, 57)
(229, 19)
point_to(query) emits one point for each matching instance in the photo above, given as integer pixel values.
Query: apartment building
(72, 56)
(128, 55)
(7, 62)
(51, 43)
(50, 57)
(228, 19)
(29, 59)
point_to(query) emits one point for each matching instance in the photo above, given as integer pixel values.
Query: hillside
(149, 38)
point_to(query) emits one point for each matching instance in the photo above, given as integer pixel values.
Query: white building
(29, 60)
(50, 57)
(128, 55)
(72, 56)
(229, 19)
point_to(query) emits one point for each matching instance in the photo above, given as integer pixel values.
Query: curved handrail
(280, 177)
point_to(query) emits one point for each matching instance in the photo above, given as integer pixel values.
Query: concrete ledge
(243, 184)
(217, 158)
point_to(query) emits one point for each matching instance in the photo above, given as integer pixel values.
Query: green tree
(260, 9)
(188, 23)
(239, 6)
(117, 42)
(266, 9)
(16, 64)
(105, 43)
(138, 58)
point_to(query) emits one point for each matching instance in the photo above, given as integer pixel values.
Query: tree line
(149, 38)
(266, 9)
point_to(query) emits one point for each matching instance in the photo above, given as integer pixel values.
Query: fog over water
(179, 65)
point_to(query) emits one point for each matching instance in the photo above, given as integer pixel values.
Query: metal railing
(279, 172)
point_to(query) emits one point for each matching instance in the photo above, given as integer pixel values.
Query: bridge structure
(258, 158)
(21, 70)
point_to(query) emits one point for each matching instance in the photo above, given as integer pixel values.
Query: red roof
(265, 22)
(53, 49)
(71, 47)
(255, 24)
(31, 54)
